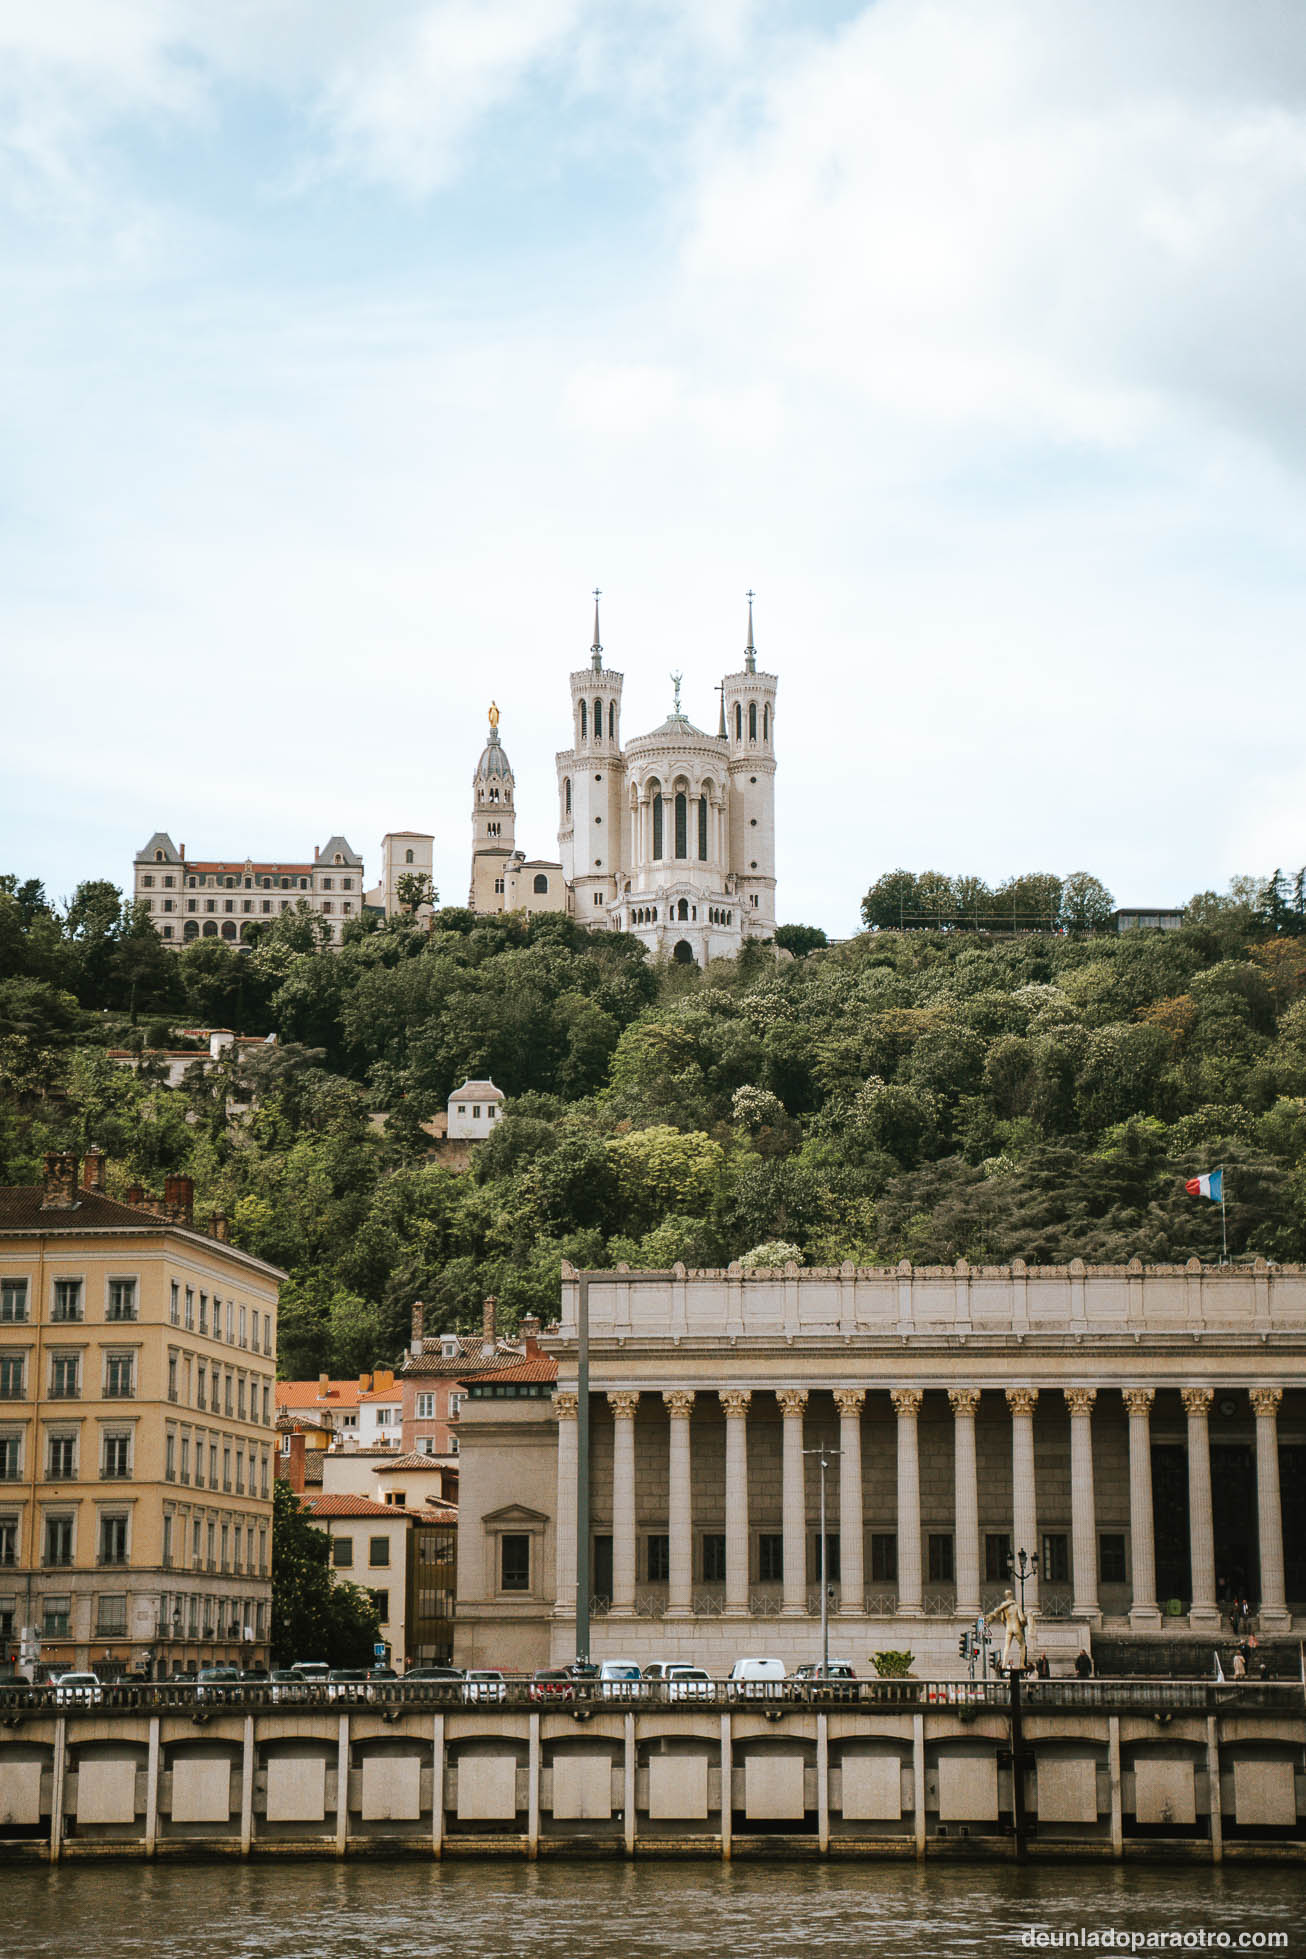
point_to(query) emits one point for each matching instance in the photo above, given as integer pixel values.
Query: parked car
(382, 1676)
(836, 1670)
(621, 1680)
(433, 1675)
(552, 1684)
(287, 1684)
(685, 1683)
(316, 1672)
(659, 1669)
(217, 1683)
(757, 1678)
(835, 1681)
(347, 1684)
(78, 1689)
(484, 1684)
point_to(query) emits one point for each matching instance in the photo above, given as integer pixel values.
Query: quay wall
(1185, 1771)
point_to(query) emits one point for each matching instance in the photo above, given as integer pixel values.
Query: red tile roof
(308, 1394)
(540, 1367)
(351, 1506)
(413, 1460)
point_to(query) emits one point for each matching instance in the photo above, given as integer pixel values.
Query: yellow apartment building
(137, 1366)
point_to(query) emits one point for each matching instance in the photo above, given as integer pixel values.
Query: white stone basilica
(671, 838)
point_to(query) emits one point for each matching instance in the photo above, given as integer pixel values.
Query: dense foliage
(315, 1616)
(922, 1094)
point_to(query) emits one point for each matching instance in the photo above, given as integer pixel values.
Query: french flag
(1211, 1185)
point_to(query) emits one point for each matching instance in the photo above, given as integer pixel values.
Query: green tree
(314, 1616)
(1086, 903)
(800, 939)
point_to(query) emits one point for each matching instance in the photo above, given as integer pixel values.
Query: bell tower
(748, 701)
(494, 822)
(591, 777)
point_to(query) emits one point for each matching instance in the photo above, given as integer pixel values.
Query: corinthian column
(852, 1579)
(1024, 1494)
(565, 1407)
(1203, 1613)
(793, 1511)
(735, 1402)
(623, 1405)
(965, 1401)
(1274, 1614)
(907, 1403)
(1083, 1508)
(680, 1523)
(1144, 1611)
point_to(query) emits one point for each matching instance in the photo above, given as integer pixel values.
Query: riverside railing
(201, 1700)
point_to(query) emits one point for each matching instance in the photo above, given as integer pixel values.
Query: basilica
(670, 837)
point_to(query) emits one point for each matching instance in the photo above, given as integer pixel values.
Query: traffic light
(963, 1646)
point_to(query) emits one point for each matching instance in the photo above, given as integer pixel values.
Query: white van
(755, 1678)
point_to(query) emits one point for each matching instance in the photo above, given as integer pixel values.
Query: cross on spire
(750, 651)
(596, 651)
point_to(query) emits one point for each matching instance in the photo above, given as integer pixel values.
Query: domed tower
(493, 822)
(748, 698)
(591, 775)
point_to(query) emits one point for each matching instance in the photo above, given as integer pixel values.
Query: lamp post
(1020, 1568)
(825, 1457)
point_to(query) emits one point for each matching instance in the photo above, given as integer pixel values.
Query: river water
(402, 1910)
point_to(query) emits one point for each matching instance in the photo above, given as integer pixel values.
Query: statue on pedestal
(1015, 1622)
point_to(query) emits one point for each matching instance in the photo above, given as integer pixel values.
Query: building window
(1056, 1557)
(185, 1458)
(682, 824)
(342, 1553)
(997, 1552)
(190, 1309)
(170, 1456)
(939, 1551)
(752, 720)
(11, 1377)
(583, 712)
(541, 885)
(515, 1562)
(13, 1302)
(64, 1376)
(766, 724)
(117, 1456)
(172, 1377)
(884, 1557)
(566, 796)
(63, 1458)
(714, 1557)
(174, 1304)
(58, 1541)
(425, 1407)
(111, 1615)
(201, 1382)
(11, 1458)
(8, 1540)
(1111, 1557)
(67, 1300)
(119, 1376)
(657, 825)
(598, 720)
(702, 829)
(770, 1557)
(832, 1566)
(378, 1551)
(54, 1616)
(113, 1540)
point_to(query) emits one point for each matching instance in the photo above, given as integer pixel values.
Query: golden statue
(494, 715)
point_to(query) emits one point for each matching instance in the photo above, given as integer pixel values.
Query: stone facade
(228, 899)
(1142, 1432)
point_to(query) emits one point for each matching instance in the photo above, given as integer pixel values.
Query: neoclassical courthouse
(1143, 1430)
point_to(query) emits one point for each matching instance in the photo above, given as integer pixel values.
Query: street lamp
(1020, 1568)
(825, 1456)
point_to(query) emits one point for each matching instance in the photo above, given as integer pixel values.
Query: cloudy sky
(345, 346)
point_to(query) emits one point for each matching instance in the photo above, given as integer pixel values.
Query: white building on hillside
(473, 1111)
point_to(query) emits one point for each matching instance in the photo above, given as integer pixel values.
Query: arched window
(739, 722)
(408, 857)
(541, 885)
(582, 720)
(566, 795)
(766, 724)
(190, 930)
(210, 929)
(702, 829)
(158, 856)
(598, 720)
(229, 928)
(752, 720)
(684, 909)
(657, 824)
(682, 824)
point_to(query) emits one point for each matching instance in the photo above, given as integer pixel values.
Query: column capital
(907, 1401)
(1138, 1400)
(566, 1404)
(1197, 1401)
(792, 1401)
(1080, 1400)
(679, 1401)
(623, 1402)
(965, 1401)
(1022, 1401)
(1265, 1401)
(734, 1400)
(849, 1401)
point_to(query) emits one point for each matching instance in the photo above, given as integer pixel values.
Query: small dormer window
(337, 859)
(158, 856)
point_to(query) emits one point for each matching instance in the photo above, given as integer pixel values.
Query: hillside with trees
(930, 1092)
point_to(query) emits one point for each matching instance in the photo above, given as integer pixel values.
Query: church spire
(596, 651)
(750, 651)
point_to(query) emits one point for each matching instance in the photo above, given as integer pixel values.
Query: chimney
(383, 1380)
(415, 1344)
(60, 1187)
(93, 1170)
(291, 1468)
(488, 1313)
(323, 1386)
(178, 1199)
(530, 1328)
(219, 1228)
(364, 1383)
(136, 1195)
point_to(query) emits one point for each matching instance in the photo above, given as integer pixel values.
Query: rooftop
(351, 1506)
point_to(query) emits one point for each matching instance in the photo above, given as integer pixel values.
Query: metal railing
(1110, 1696)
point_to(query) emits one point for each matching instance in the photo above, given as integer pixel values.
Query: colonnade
(1022, 1402)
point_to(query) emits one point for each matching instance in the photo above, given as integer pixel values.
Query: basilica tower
(748, 700)
(493, 822)
(591, 777)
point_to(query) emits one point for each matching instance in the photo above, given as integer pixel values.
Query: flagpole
(1224, 1233)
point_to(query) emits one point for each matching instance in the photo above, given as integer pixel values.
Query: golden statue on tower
(494, 715)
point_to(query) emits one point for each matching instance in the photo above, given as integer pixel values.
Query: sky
(344, 347)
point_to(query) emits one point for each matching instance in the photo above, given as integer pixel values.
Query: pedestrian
(1084, 1665)
(1042, 1667)
(1239, 1665)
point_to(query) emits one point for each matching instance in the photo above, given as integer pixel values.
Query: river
(407, 1910)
